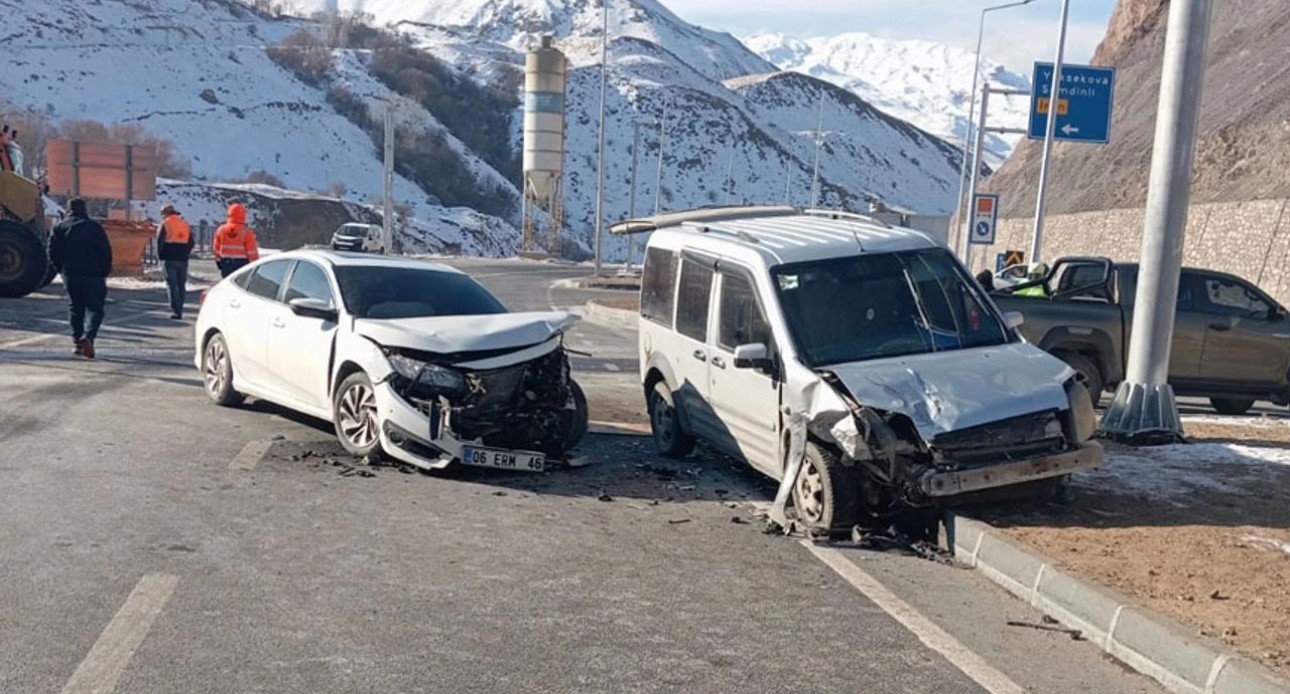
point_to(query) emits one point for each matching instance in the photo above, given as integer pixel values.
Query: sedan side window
(742, 322)
(1227, 297)
(268, 278)
(309, 282)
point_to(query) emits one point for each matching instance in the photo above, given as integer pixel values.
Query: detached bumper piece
(941, 484)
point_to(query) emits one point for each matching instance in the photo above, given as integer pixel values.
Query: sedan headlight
(427, 374)
(1083, 418)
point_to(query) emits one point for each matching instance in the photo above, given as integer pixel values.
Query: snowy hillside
(925, 83)
(201, 73)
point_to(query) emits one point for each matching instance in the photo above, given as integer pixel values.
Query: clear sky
(1017, 36)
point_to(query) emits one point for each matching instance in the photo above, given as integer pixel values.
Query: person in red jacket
(234, 243)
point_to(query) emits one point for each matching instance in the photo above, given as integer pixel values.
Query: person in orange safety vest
(174, 245)
(234, 243)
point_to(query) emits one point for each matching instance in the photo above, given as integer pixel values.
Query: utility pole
(600, 168)
(819, 142)
(387, 218)
(631, 201)
(971, 117)
(1054, 98)
(658, 183)
(788, 178)
(728, 185)
(975, 176)
(1144, 409)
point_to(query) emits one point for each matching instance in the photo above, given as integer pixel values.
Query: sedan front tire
(355, 415)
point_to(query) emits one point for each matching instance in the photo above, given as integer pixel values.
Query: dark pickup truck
(1231, 341)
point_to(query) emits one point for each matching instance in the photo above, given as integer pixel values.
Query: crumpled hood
(948, 391)
(454, 334)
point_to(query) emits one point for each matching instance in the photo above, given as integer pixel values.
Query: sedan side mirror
(754, 356)
(1014, 319)
(314, 308)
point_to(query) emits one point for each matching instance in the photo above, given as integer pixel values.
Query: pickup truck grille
(1009, 440)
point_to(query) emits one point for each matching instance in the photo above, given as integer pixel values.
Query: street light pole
(600, 168)
(959, 201)
(1054, 98)
(819, 141)
(1144, 409)
(658, 183)
(631, 200)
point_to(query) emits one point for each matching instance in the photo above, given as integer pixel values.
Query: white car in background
(409, 358)
(360, 238)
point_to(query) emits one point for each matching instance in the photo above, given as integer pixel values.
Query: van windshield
(883, 305)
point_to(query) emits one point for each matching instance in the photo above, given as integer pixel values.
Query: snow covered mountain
(203, 74)
(925, 83)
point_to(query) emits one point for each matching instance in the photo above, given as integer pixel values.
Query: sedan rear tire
(217, 373)
(354, 414)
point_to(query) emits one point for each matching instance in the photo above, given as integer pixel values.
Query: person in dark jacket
(174, 245)
(80, 252)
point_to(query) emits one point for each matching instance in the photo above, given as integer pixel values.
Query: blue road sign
(1083, 104)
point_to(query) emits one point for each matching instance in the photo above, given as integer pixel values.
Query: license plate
(505, 460)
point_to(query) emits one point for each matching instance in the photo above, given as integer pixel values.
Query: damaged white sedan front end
(487, 391)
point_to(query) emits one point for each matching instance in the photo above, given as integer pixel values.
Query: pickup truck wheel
(826, 495)
(1232, 406)
(665, 424)
(1092, 374)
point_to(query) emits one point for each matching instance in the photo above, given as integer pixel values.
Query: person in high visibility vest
(234, 243)
(174, 245)
(1038, 271)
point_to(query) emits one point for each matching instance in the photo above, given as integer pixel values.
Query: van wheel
(826, 494)
(1232, 406)
(1092, 374)
(581, 417)
(665, 424)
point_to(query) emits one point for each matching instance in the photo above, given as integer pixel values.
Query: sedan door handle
(279, 323)
(719, 362)
(1220, 327)
(235, 304)
(699, 354)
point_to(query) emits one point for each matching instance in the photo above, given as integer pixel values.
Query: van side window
(742, 322)
(692, 300)
(658, 286)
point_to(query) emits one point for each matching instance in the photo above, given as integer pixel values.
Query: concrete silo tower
(544, 94)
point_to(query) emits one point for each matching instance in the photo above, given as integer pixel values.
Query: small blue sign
(1084, 103)
(985, 217)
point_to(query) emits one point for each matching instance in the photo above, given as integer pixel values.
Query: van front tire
(826, 494)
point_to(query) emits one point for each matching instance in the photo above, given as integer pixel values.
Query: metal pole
(819, 140)
(387, 217)
(1054, 97)
(788, 178)
(600, 168)
(959, 207)
(727, 186)
(658, 183)
(631, 200)
(976, 176)
(1144, 409)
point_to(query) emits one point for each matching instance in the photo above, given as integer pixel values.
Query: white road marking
(932, 636)
(99, 672)
(612, 367)
(250, 455)
(115, 322)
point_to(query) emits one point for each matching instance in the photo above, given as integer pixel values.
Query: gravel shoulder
(1199, 531)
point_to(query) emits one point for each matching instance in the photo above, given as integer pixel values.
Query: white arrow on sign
(1068, 129)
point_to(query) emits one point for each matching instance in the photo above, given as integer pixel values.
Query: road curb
(1152, 644)
(610, 317)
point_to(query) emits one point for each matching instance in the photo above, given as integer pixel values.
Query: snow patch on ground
(1177, 473)
(1267, 542)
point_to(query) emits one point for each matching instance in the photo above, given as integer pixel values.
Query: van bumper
(941, 484)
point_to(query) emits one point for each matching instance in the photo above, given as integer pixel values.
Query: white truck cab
(856, 362)
(359, 238)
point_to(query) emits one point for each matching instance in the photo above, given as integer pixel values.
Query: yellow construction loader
(24, 262)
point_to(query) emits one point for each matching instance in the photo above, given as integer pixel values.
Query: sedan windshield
(405, 292)
(883, 305)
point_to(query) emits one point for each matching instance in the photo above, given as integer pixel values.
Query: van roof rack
(840, 214)
(703, 214)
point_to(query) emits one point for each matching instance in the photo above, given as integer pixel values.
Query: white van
(359, 238)
(857, 363)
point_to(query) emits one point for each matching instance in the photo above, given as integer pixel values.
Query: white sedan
(404, 357)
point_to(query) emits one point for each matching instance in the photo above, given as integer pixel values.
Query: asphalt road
(153, 542)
